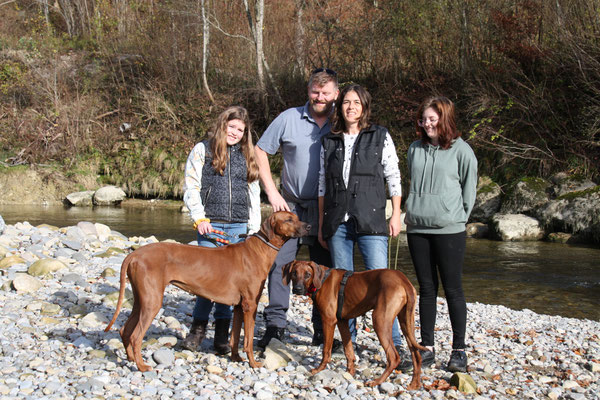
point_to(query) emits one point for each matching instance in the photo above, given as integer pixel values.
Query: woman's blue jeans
(374, 251)
(204, 306)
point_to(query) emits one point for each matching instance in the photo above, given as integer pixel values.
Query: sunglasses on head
(327, 70)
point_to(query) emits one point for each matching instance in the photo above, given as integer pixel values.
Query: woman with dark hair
(443, 171)
(357, 159)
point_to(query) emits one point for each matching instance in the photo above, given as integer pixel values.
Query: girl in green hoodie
(443, 172)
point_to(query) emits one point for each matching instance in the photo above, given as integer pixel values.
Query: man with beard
(297, 133)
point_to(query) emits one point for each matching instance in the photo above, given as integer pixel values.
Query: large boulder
(109, 195)
(574, 212)
(517, 227)
(526, 195)
(487, 203)
(84, 198)
(564, 184)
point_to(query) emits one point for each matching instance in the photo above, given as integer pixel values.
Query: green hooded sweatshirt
(443, 187)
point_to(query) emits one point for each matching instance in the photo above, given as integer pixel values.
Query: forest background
(122, 89)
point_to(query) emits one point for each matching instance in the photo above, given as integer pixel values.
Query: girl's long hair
(218, 141)
(446, 125)
(338, 124)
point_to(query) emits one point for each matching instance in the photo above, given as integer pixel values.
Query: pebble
(53, 344)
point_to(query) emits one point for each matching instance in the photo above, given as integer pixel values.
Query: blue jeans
(374, 251)
(204, 306)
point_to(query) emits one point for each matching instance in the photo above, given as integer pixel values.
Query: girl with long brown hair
(222, 194)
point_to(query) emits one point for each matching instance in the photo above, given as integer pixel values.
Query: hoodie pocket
(427, 210)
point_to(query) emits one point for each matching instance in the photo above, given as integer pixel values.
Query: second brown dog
(388, 293)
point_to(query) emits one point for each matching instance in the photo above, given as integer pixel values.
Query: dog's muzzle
(299, 289)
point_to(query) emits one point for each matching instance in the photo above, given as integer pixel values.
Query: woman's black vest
(225, 197)
(364, 198)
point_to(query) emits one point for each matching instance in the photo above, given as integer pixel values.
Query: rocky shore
(59, 291)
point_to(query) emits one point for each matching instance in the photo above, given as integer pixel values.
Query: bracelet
(201, 220)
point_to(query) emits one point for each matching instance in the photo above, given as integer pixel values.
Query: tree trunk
(300, 40)
(205, 42)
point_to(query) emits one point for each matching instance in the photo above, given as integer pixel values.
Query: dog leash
(390, 253)
(217, 240)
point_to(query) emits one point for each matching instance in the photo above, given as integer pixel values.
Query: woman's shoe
(458, 361)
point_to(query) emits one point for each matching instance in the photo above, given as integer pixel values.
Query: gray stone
(73, 278)
(88, 228)
(24, 283)
(72, 244)
(527, 195)
(80, 198)
(163, 356)
(477, 230)
(488, 200)
(108, 195)
(277, 355)
(102, 231)
(577, 213)
(93, 320)
(517, 227)
(564, 183)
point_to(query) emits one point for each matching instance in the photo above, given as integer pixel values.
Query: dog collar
(261, 236)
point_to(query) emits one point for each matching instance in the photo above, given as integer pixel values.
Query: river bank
(53, 344)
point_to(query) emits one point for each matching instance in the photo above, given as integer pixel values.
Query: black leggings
(444, 254)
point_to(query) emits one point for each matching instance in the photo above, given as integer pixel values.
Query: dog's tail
(124, 268)
(408, 319)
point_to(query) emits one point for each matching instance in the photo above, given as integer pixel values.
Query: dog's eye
(307, 275)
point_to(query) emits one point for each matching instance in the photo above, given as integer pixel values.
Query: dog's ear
(318, 275)
(287, 272)
(267, 226)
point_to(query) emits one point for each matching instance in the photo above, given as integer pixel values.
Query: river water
(547, 278)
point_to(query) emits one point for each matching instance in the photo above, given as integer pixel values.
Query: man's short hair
(322, 76)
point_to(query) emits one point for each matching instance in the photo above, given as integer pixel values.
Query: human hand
(395, 225)
(322, 242)
(204, 228)
(278, 202)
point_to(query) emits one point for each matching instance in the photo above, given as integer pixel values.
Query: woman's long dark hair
(338, 124)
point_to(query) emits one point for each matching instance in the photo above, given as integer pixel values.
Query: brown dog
(233, 274)
(388, 293)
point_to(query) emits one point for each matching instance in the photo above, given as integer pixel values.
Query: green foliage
(485, 116)
(12, 74)
(523, 76)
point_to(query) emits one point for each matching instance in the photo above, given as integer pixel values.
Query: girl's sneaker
(458, 361)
